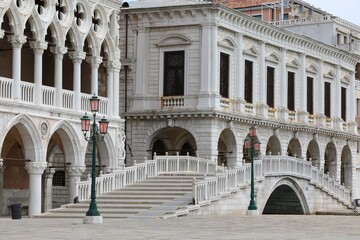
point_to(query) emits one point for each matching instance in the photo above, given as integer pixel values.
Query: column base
(253, 212)
(93, 220)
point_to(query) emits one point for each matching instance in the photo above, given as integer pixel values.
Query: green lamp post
(252, 145)
(96, 134)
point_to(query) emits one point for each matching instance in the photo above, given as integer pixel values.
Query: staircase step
(154, 197)
(145, 192)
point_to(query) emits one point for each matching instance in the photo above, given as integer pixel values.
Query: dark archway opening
(283, 200)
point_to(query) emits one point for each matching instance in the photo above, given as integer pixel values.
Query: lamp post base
(253, 212)
(93, 220)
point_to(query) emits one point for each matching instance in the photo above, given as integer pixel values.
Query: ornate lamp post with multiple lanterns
(96, 134)
(252, 145)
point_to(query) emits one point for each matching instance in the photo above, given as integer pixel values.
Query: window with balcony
(310, 95)
(174, 73)
(248, 81)
(327, 99)
(270, 86)
(291, 91)
(343, 103)
(224, 75)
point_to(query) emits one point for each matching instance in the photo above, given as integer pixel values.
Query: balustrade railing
(27, 91)
(5, 88)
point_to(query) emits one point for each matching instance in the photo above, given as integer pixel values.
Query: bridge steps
(160, 196)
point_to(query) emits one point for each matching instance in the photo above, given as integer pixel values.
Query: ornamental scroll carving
(121, 146)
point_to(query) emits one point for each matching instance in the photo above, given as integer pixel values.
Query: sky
(345, 9)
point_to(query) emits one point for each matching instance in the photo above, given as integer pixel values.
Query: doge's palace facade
(54, 55)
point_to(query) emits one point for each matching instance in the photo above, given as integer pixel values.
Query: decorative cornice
(249, 120)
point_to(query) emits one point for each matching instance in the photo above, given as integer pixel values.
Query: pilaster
(49, 174)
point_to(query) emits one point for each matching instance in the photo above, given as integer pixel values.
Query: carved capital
(58, 50)
(17, 40)
(77, 56)
(35, 168)
(38, 46)
(76, 171)
(95, 61)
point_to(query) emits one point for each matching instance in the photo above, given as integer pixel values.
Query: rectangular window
(357, 71)
(310, 95)
(174, 73)
(291, 91)
(270, 86)
(224, 75)
(327, 99)
(248, 81)
(343, 103)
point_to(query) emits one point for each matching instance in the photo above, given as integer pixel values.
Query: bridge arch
(286, 197)
(273, 146)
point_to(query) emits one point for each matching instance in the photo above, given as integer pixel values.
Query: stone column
(110, 86)
(74, 173)
(214, 61)
(337, 121)
(351, 105)
(283, 94)
(58, 76)
(320, 117)
(204, 92)
(49, 174)
(77, 57)
(302, 114)
(262, 108)
(95, 61)
(16, 42)
(35, 170)
(38, 48)
(116, 97)
(239, 74)
(2, 169)
(140, 67)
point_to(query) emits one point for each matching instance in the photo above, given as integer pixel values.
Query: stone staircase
(162, 196)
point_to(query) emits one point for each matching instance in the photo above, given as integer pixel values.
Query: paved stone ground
(289, 227)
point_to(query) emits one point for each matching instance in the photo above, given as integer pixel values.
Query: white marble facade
(320, 126)
(55, 54)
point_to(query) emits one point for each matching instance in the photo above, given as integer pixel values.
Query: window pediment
(273, 58)
(226, 42)
(311, 68)
(329, 74)
(173, 40)
(251, 51)
(293, 63)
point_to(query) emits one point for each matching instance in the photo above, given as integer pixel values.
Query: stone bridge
(283, 185)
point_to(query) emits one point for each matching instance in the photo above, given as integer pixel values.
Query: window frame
(162, 51)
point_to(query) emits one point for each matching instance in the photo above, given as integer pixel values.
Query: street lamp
(252, 145)
(96, 133)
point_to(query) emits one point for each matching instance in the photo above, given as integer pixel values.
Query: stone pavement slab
(290, 227)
